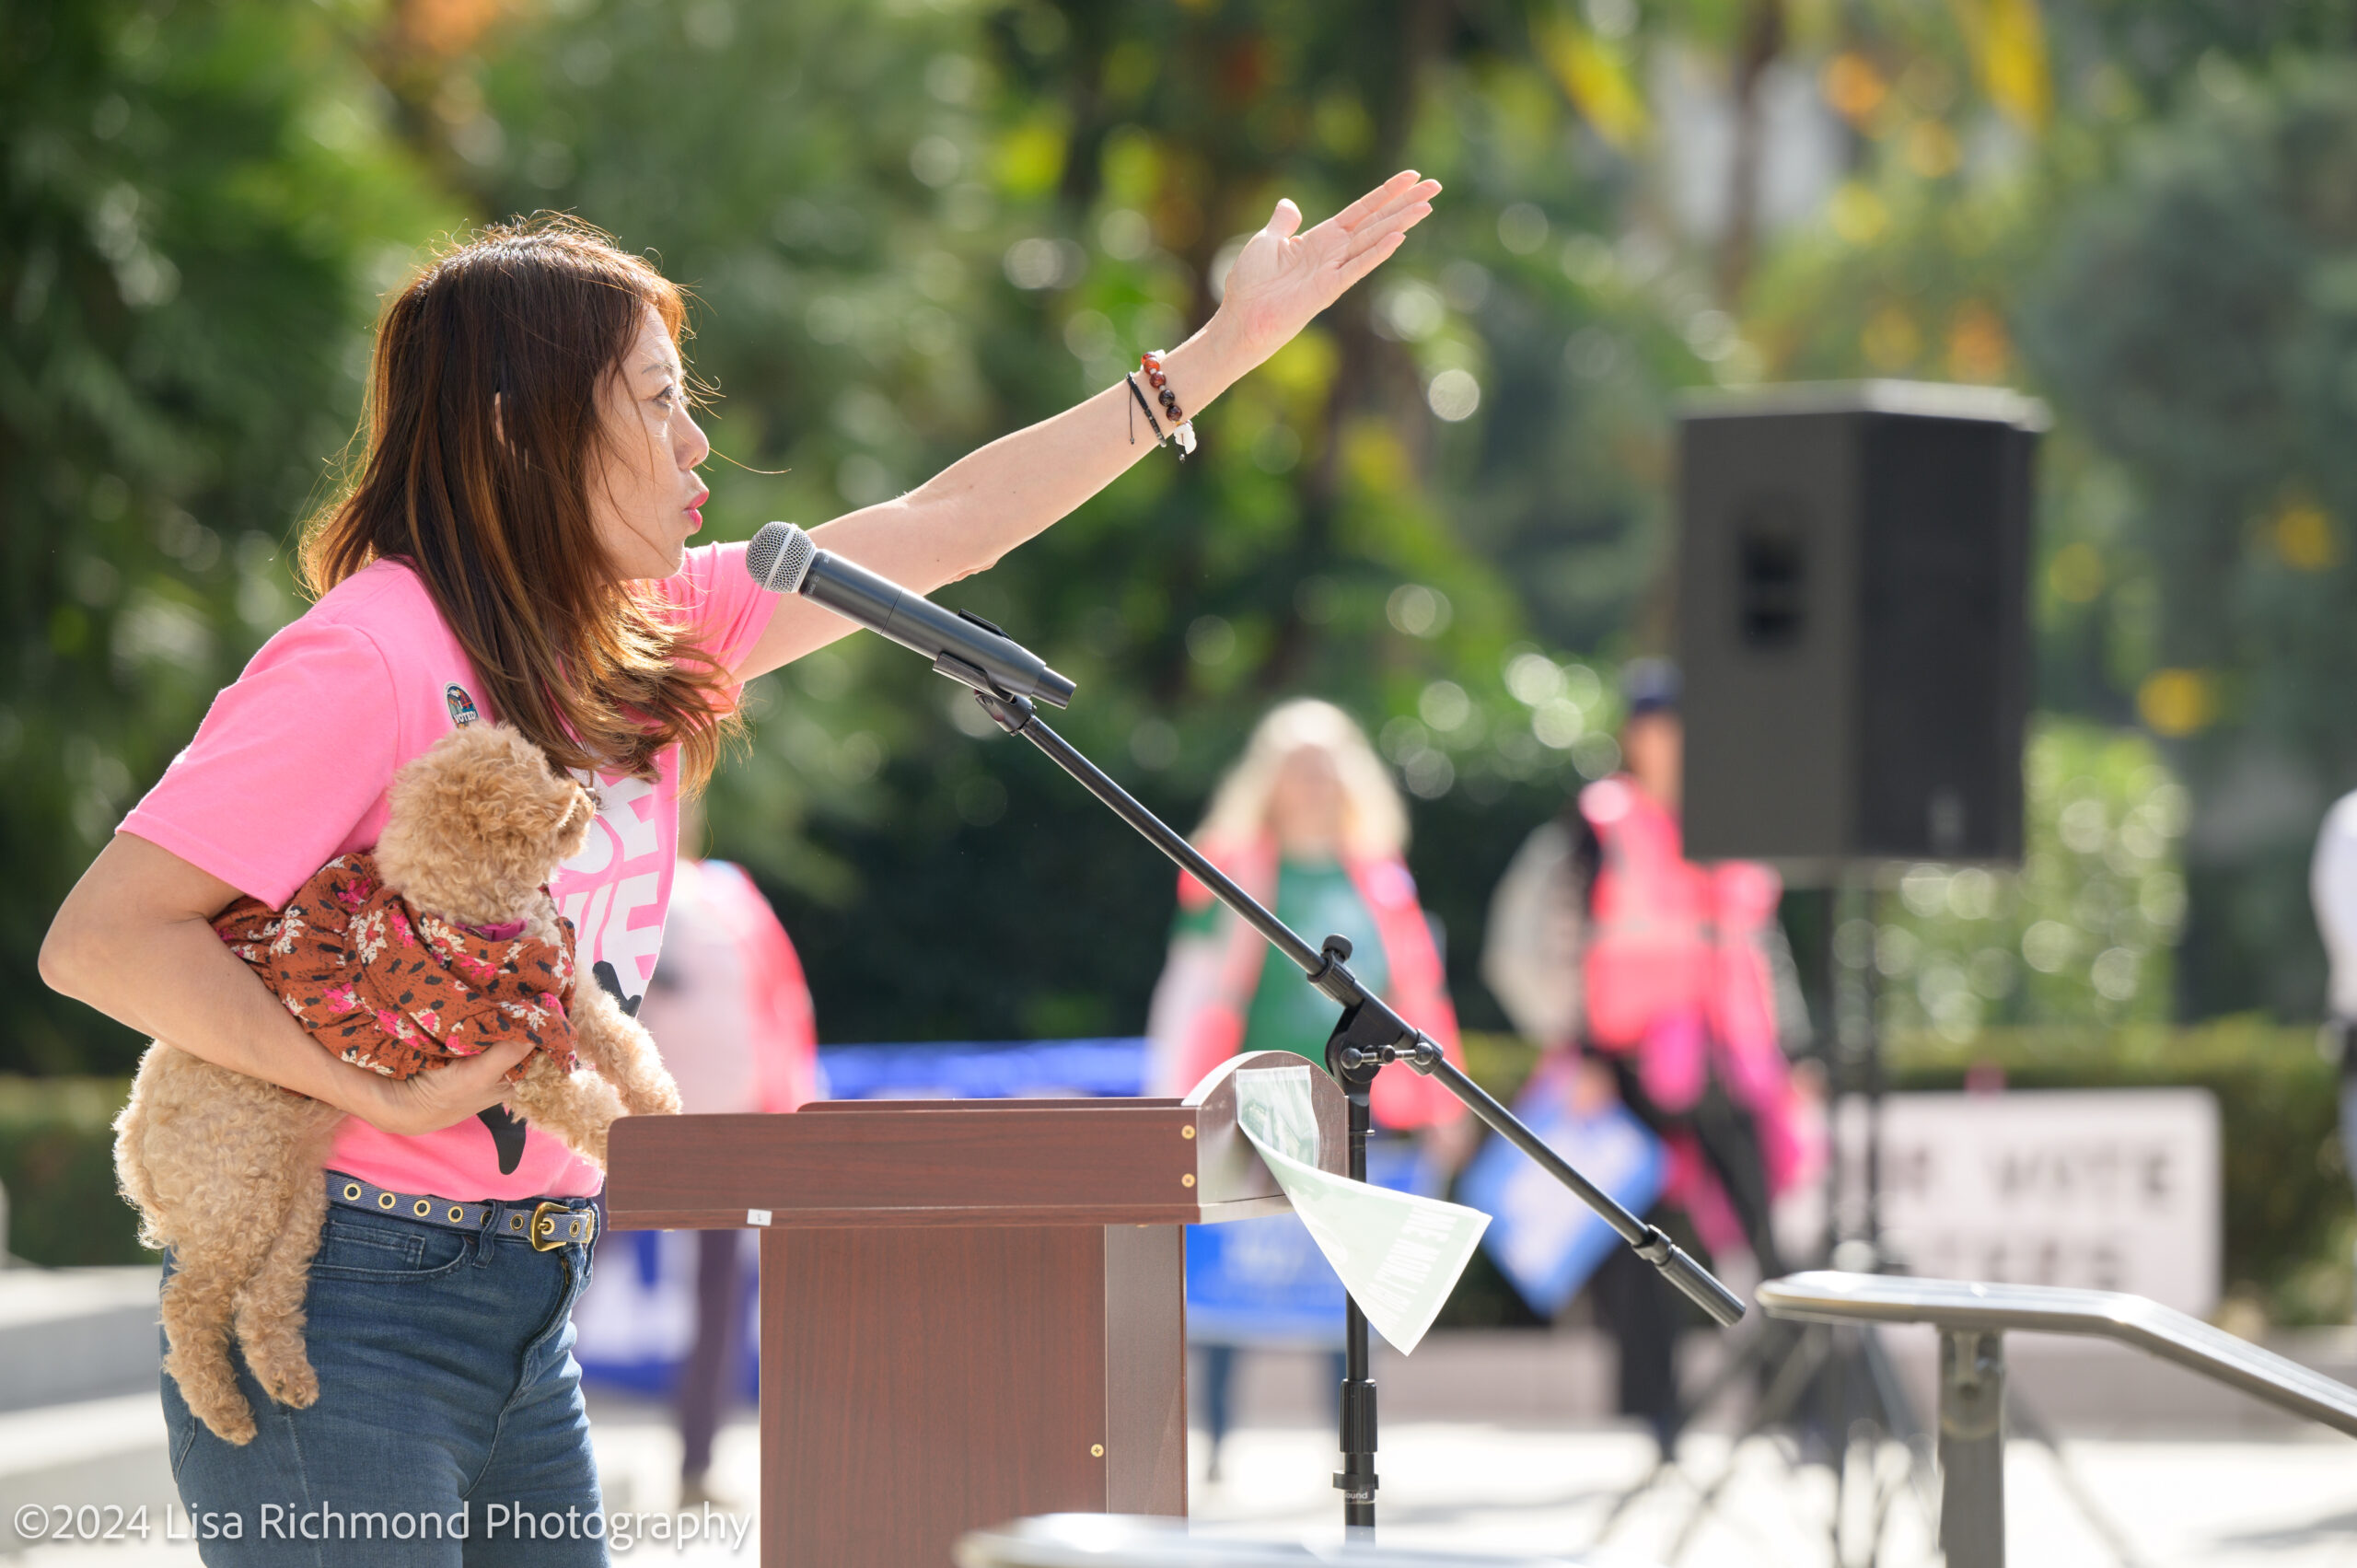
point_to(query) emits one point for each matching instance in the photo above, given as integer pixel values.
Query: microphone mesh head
(779, 557)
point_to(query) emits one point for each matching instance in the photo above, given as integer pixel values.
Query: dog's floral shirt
(387, 987)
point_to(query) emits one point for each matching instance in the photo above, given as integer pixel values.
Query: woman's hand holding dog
(431, 1101)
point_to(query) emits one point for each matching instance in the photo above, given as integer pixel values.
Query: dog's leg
(270, 1308)
(217, 1145)
(173, 1159)
(197, 1306)
(621, 1051)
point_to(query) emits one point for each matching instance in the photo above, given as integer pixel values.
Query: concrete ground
(1491, 1441)
(1502, 1443)
(2238, 1504)
(2284, 1502)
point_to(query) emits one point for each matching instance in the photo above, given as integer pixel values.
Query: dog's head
(478, 822)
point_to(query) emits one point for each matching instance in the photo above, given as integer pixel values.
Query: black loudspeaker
(1852, 624)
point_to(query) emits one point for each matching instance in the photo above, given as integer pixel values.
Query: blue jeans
(449, 1404)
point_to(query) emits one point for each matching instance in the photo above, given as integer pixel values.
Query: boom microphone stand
(1367, 1038)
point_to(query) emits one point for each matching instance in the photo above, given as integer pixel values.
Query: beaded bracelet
(1182, 429)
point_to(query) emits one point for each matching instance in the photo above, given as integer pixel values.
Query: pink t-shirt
(291, 766)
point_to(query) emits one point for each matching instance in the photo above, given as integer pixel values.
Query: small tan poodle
(441, 942)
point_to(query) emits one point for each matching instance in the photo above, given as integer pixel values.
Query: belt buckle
(543, 1229)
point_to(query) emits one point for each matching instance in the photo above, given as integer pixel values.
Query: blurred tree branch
(1760, 40)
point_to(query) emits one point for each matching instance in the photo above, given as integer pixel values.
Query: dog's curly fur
(224, 1169)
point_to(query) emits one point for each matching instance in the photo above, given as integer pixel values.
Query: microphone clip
(957, 669)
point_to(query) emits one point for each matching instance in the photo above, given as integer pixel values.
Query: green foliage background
(915, 225)
(193, 225)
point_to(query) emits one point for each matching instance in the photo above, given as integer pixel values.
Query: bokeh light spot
(2076, 573)
(1417, 610)
(1454, 395)
(1853, 86)
(2302, 536)
(2177, 702)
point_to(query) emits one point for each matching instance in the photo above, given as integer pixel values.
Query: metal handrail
(1828, 1296)
(1973, 1319)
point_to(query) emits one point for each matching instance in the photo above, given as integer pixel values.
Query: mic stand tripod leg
(1791, 1380)
(1774, 1342)
(1898, 1421)
(2022, 1417)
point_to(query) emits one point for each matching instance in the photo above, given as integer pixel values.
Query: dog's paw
(230, 1422)
(661, 1099)
(211, 1388)
(296, 1387)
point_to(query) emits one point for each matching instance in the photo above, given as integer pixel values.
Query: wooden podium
(971, 1311)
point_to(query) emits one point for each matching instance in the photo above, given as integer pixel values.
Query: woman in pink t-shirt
(515, 549)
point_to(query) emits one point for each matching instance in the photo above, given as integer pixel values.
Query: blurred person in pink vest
(730, 1006)
(1309, 823)
(1675, 981)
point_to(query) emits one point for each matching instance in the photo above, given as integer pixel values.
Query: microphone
(965, 647)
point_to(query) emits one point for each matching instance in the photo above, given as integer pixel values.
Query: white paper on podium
(1399, 1255)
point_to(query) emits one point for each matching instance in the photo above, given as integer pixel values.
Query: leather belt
(546, 1223)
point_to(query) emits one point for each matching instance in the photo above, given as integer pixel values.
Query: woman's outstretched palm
(1281, 278)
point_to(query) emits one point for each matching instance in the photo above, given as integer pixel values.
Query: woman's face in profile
(643, 493)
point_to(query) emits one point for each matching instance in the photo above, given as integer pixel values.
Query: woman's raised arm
(985, 504)
(135, 939)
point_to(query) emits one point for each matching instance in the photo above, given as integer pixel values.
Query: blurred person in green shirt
(1310, 822)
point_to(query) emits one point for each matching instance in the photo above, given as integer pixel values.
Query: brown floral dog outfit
(388, 988)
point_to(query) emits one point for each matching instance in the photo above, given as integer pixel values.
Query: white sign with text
(2105, 1188)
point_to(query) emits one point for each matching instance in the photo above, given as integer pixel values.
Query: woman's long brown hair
(480, 440)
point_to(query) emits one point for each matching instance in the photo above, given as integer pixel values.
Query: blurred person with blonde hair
(1309, 823)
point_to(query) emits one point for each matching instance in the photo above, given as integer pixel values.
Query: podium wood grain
(969, 1310)
(1052, 1380)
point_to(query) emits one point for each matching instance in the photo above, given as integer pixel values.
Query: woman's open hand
(1283, 279)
